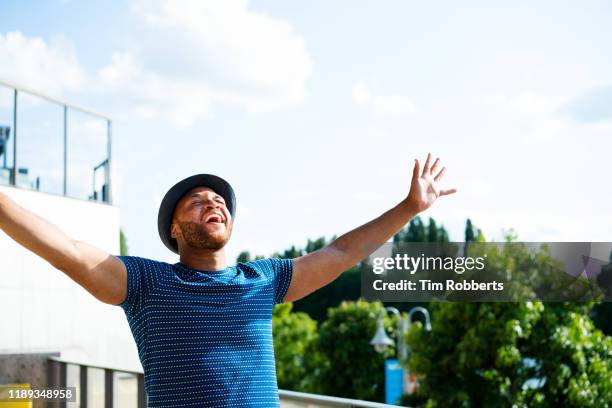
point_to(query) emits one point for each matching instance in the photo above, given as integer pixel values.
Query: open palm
(425, 187)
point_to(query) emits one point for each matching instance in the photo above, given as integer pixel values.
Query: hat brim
(173, 196)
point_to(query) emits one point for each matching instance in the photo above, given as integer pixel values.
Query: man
(203, 328)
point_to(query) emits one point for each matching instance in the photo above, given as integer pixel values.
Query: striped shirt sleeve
(282, 272)
(139, 281)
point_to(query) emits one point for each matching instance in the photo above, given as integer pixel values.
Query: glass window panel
(40, 145)
(87, 150)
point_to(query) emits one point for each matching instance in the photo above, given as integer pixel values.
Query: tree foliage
(416, 231)
(123, 246)
(527, 354)
(353, 368)
(297, 360)
(602, 313)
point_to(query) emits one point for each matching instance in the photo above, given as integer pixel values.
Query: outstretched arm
(316, 269)
(101, 274)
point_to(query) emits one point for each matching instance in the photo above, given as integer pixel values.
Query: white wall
(45, 310)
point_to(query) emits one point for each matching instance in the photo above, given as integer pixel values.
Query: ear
(173, 232)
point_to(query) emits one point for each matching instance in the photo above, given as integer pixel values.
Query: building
(44, 311)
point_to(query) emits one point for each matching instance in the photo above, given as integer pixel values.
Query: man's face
(201, 220)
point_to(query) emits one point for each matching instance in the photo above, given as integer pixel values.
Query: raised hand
(425, 187)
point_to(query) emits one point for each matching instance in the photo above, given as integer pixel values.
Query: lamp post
(425, 313)
(381, 340)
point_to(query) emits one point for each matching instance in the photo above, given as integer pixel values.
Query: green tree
(602, 317)
(526, 354)
(415, 231)
(123, 246)
(244, 256)
(354, 369)
(297, 359)
(290, 253)
(443, 235)
(312, 246)
(511, 354)
(602, 313)
(346, 287)
(469, 231)
(433, 232)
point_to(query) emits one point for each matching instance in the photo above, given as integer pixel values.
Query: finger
(415, 171)
(440, 174)
(447, 192)
(427, 163)
(436, 166)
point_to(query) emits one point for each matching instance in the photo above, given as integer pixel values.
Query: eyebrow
(197, 195)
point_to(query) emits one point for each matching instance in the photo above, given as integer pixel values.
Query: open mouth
(214, 219)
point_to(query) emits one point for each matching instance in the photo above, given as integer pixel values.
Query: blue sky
(315, 110)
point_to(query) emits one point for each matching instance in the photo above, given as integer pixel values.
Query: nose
(210, 203)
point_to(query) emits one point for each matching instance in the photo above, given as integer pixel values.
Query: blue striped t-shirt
(204, 338)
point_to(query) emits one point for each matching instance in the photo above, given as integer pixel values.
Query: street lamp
(381, 341)
(425, 313)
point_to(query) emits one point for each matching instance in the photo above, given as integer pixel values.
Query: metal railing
(293, 399)
(58, 369)
(106, 194)
(57, 376)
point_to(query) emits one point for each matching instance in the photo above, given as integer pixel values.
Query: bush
(353, 368)
(294, 335)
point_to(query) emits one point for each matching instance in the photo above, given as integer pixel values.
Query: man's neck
(204, 259)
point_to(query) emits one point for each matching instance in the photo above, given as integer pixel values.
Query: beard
(196, 236)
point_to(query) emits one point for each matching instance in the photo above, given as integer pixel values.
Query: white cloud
(361, 93)
(151, 95)
(33, 63)
(383, 105)
(242, 45)
(207, 51)
(185, 56)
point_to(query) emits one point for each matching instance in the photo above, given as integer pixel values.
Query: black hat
(173, 196)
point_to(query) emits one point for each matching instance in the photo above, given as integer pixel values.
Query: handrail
(331, 401)
(57, 375)
(284, 395)
(53, 99)
(81, 363)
